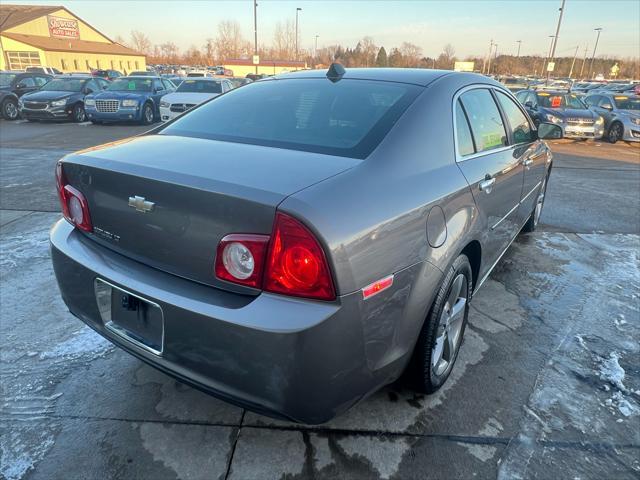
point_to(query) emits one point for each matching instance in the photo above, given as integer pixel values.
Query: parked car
(564, 109)
(199, 73)
(15, 84)
(173, 78)
(190, 93)
(240, 81)
(106, 74)
(323, 238)
(128, 99)
(515, 84)
(621, 115)
(60, 99)
(47, 70)
(143, 73)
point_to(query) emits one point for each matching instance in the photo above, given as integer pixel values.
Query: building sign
(63, 27)
(256, 59)
(463, 66)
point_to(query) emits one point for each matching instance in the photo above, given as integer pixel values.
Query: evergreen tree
(381, 59)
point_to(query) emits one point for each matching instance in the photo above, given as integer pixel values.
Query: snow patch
(81, 343)
(612, 372)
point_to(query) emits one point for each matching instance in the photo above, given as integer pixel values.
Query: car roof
(73, 76)
(143, 77)
(416, 76)
(204, 79)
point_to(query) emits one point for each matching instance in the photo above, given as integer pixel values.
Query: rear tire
(441, 336)
(534, 219)
(10, 109)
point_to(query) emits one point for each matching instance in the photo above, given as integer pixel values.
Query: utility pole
(574, 60)
(495, 58)
(298, 10)
(315, 51)
(546, 60)
(555, 40)
(488, 57)
(519, 42)
(593, 56)
(584, 60)
(255, 30)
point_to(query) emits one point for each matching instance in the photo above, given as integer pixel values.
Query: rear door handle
(527, 162)
(486, 185)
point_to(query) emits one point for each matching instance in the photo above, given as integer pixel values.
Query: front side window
(124, 84)
(348, 118)
(521, 96)
(41, 81)
(627, 103)
(157, 84)
(463, 133)
(6, 78)
(485, 120)
(520, 127)
(592, 100)
(27, 82)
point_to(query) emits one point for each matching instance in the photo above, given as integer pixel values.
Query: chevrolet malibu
(320, 242)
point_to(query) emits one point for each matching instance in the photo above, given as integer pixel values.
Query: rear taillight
(290, 262)
(74, 206)
(240, 259)
(296, 264)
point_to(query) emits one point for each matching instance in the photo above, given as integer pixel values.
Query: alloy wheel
(148, 114)
(614, 133)
(80, 115)
(450, 324)
(11, 110)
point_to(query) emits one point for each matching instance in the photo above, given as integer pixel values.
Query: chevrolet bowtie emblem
(140, 204)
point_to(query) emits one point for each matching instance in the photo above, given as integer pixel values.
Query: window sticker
(131, 85)
(556, 102)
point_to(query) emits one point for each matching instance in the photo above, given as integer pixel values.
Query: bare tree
(411, 54)
(210, 51)
(119, 39)
(140, 42)
(229, 42)
(368, 51)
(170, 52)
(284, 40)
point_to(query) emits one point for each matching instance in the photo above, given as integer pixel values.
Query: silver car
(321, 240)
(621, 115)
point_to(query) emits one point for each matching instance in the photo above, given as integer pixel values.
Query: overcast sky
(468, 25)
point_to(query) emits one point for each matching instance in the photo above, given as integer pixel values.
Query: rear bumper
(290, 358)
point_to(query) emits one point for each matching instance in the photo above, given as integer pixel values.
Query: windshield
(627, 103)
(64, 85)
(200, 86)
(125, 84)
(6, 79)
(560, 100)
(347, 118)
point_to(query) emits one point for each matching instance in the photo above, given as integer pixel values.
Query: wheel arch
(473, 251)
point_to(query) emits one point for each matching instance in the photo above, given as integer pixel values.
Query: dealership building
(52, 36)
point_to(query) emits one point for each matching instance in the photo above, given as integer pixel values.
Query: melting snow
(612, 372)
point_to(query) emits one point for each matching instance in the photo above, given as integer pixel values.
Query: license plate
(579, 129)
(138, 320)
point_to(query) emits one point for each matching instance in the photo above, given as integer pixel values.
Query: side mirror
(528, 104)
(87, 91)
(549, 131)
(607, 106)
(21, 85)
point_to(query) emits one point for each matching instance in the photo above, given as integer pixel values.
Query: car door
(604, 108)
(531, 153)
(493, 172)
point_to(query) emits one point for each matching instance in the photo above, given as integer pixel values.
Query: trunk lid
(190, 193)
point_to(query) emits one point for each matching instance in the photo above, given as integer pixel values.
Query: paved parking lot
(547, 384)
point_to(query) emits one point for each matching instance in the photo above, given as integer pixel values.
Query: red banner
(63, 27)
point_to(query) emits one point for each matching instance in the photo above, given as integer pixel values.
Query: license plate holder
(130, 316)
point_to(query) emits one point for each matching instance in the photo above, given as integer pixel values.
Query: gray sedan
(321, 240)
(621, 115)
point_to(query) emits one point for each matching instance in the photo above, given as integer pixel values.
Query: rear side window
(520, 127)
(485, 120)
(348, 118)
(463, 133)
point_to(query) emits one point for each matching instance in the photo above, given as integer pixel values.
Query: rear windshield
(347, 118)
(559, 100)
(627, 103)
(200, 86)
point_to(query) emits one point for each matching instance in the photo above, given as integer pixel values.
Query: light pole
(584, 60)
(255, 30)
(555, 41)
(545, 66)
(574, 60)
(488, 58)
(495, 57)
(593, 56)
(519, 42)
(298, 10)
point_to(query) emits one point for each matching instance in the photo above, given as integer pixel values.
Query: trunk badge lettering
(141, 204)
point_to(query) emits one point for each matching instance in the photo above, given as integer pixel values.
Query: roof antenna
(336, 71)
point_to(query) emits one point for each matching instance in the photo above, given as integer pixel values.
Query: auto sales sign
(63, 27)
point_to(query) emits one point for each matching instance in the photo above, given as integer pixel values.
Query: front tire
(615, 133)
(10, 109)
(148, 115)
(441, 336)
(78, 113)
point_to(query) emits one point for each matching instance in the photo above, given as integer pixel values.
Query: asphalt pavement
(547, 384)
